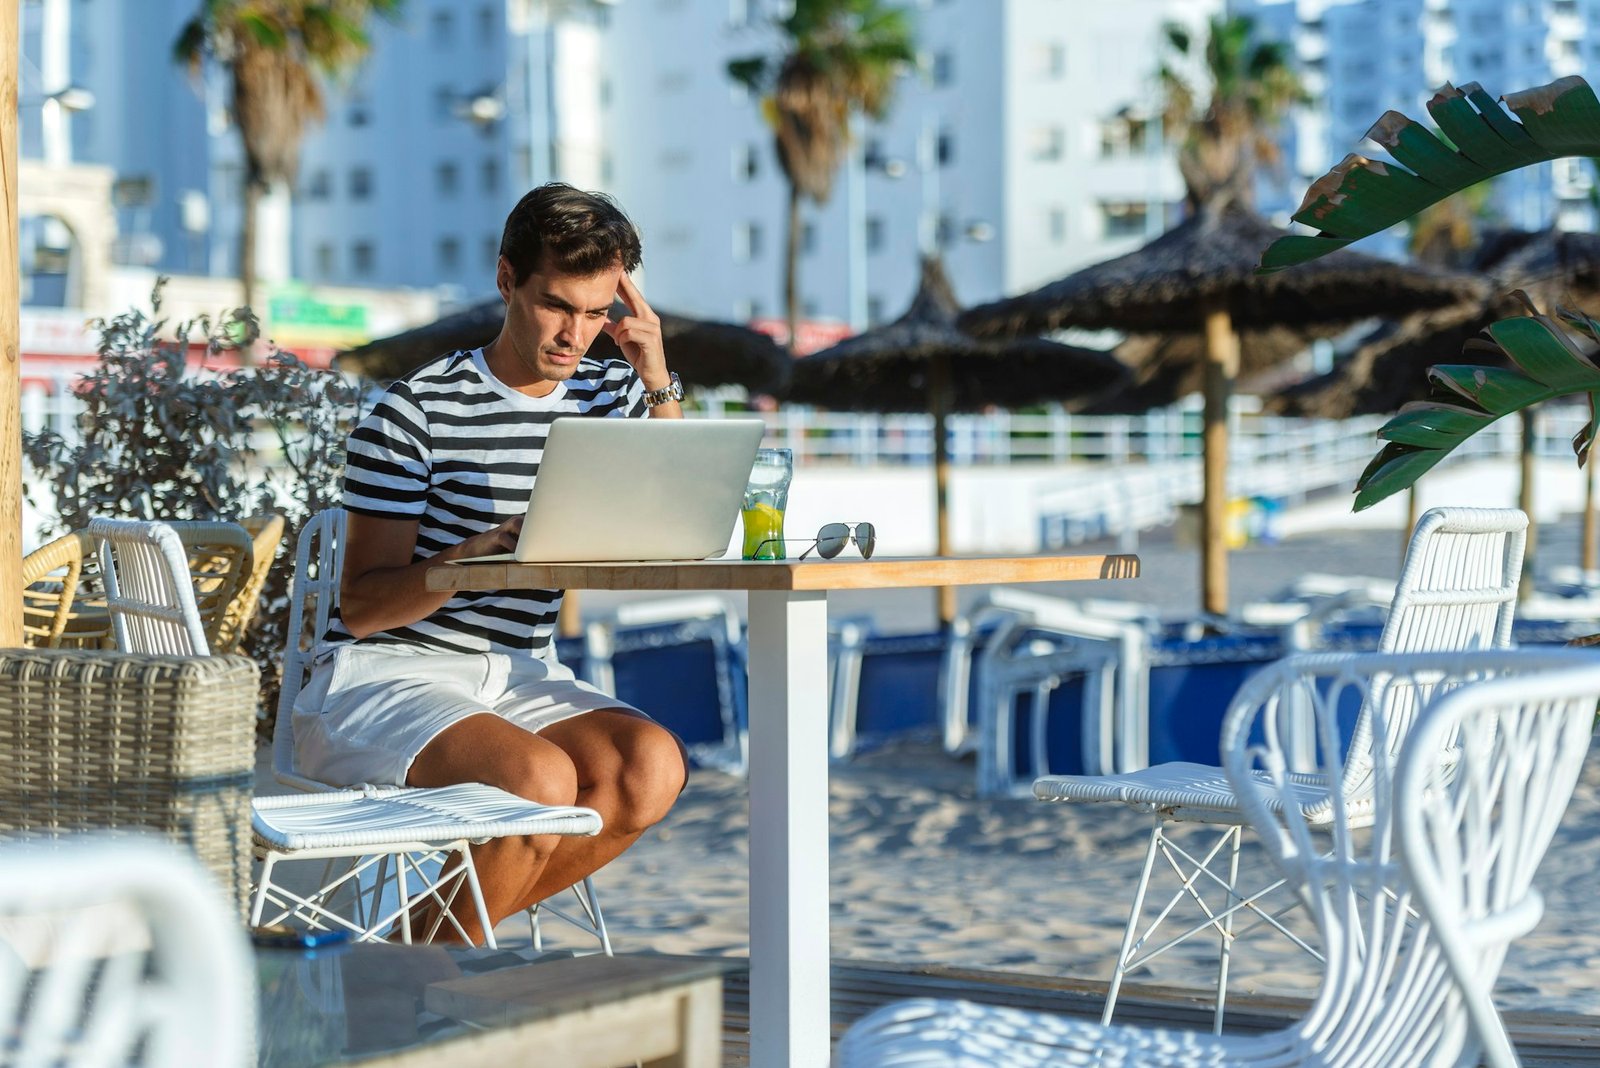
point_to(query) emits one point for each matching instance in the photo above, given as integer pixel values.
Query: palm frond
(1477, 140)
(1550, 358)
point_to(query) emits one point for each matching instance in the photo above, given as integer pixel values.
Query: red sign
(814, 334)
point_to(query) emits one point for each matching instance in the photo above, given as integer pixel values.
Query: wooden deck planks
(1543, 1039)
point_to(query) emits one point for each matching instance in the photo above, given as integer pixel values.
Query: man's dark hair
(557, 227)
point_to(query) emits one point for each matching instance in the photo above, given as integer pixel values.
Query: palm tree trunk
(254, 190)
(939, 403)
(1525, 502)
(791, 268)
(1221, 367)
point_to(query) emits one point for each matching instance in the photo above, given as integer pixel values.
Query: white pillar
(55, 74)
(789, 1002)
(273, 263)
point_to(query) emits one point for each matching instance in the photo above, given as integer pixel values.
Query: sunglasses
(832, 539)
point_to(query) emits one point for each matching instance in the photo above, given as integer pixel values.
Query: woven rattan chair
(1457, 591)
(119, 952)
(94, 739)
(376, 827)
(1420, 883)
(266, 533)
(51, 576)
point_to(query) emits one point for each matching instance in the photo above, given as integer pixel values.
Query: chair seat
(943, 1033)
(390, 817)
(1195, 792)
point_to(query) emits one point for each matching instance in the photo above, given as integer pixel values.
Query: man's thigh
(603, 743)
(489, 749)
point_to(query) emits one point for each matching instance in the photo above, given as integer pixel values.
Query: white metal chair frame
(373, 827)
(115, 950)
(1457, 591)
(1414, 855)
(146, 573)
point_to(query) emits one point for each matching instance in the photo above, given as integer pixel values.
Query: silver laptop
(637, 489)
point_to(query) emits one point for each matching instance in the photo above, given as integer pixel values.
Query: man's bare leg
(488, 749)
(630, 770)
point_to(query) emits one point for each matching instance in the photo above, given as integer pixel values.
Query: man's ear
(505, 279)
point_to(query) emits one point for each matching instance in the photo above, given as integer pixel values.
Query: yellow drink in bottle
(762, 522)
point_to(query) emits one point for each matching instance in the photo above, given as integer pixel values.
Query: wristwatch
(672, 391)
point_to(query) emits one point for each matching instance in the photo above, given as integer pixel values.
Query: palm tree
(274, 50)
(838, 58)
(1252, 87)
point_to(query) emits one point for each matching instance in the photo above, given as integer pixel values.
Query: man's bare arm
(382, 588)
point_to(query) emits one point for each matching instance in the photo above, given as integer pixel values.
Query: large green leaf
(1548, 360)
(1361, 196)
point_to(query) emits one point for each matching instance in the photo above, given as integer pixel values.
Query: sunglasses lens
(866, 539)
(832, 539)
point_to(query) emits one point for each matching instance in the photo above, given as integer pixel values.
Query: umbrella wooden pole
(1412, 506)
(10, 367)
(1221, 367)
(1525, 502)
(1589, 551)
(939, 402)
(569, 621)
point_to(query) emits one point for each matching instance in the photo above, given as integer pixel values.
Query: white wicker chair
(1457, 591)
(373, 828)
(119, 951)
(1413, 947)
(153, 611)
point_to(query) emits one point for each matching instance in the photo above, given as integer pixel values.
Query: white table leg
(789, 1003)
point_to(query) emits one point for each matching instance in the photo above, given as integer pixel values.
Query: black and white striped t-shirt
(457, 449)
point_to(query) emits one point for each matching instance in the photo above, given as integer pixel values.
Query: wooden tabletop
(783, 574)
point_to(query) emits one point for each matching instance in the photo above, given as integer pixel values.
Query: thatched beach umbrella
(1201, 277)
(1165, 368)
(923, 362)
(705, 353)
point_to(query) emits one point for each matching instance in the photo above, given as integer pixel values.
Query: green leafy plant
(159, 441)
(1477, 140)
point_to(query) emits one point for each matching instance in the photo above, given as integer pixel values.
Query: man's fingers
(634, 299)
(609, 327)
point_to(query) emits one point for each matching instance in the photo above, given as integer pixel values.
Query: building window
(808, 238)
(449, 255)
(746, 309)
(1047, 144)
(809, 308)
(1056, 225)
(746, 241)
(1123, 218)
(446, 179)
(490, 176)
(320, 187)
(359, 114)
(1125, 135)
(491, 250)
(746, 163)
(325, 264)
(361, 183)
(944, 69)
(874, 309)
(488, 25)
(673, 81)
(875, 233)
(362, 259)
(444, 103)
(945, 147)
(442, 28)
(1051, 60)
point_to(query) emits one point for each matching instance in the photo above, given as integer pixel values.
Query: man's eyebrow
(551, 298)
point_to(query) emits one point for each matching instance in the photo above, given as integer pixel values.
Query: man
(432, 689)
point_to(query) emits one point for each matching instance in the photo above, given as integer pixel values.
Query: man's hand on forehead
(638, 335)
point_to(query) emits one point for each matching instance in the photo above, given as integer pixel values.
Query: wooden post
(569, 620)
(939, 402)
(1525, 502)
(1589, 551)
(1221, 368)
(10, 357)
(1412, 509)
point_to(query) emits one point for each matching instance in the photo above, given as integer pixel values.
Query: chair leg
(1227, 927)
(591, 905)
(1126, 953)
(262, 888)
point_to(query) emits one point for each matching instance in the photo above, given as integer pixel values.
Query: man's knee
(489, 750)
(653, 772)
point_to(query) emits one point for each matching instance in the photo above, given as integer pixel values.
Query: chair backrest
(265, 532)
(148, 590)
(50, 578)
(1488, 768)
(313, 595)
(118, 951)
(1458, 585)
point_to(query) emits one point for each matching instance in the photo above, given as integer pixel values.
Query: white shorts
(367, 711)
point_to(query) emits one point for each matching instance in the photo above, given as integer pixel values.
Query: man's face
(553, 318)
